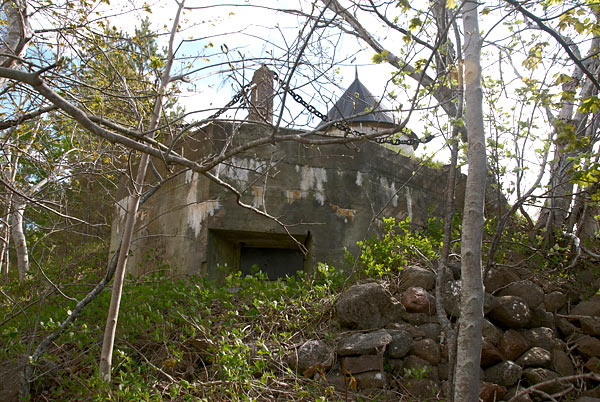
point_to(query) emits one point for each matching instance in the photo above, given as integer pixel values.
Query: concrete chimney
(261, 98)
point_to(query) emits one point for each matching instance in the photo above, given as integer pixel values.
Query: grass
(179, 339)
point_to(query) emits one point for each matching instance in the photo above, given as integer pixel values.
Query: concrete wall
(329, 197)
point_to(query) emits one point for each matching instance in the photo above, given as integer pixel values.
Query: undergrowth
(183, 339)
(186, 339)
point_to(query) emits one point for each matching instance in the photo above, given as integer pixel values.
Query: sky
(254, 33)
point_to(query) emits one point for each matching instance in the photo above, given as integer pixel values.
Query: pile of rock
(392, 341)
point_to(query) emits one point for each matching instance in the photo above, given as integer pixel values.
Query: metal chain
(237, 97)
(343, 126)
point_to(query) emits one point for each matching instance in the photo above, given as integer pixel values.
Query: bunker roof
(357, 99)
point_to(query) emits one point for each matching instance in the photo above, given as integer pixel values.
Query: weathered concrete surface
(328, 195)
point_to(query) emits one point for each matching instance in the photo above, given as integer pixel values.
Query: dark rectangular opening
(274, 262)
(275, 254)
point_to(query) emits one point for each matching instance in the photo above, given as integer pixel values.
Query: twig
(591, 376)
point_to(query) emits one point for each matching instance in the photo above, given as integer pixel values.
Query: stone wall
(391, 341)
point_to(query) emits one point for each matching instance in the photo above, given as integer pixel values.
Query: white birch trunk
(19, 240)
(468, 354)
(132, 208)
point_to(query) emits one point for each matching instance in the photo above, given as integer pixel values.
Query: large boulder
(511, 312)
(418, 300)
(370, 343)
(506, 373)
(416, 277)
(367, 306)
(530, 292)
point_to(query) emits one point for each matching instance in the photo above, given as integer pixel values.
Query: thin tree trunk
(19, 240)
(468, 353)
(5, 238)
(132, 208)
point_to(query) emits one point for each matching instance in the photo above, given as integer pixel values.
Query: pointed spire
(356, 72)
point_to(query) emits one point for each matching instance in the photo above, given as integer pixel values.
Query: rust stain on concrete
(344, 212)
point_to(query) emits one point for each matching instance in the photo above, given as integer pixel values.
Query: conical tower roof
(357, 99)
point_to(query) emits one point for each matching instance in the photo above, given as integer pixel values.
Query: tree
(468, 353)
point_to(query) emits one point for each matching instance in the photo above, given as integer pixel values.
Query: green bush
(398, 247)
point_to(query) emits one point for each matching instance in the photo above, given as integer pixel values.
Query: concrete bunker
(327, 196)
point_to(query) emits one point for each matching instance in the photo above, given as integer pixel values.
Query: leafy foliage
(398, 246)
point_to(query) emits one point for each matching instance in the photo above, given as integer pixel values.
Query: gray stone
(542, 318)
(498, 278)
(312, 356)
(431, 330)
(561, 363)
(588, 307)
(361, 364)
(513, 344)
(370, 343)
(564, 326)
(535, 357)
(418, 300)
(506, 373)
(400, 344)
(491, 333)
(588, 346)
(371, 379)
(490, 355)
(427, 349)
(590, 325)
(367, 306)
(593, 365)
(531, 293)
(587, 399)
(538, 375)
(451, 298)
(414, 276)
(542, 337)
(489, 392)
(554, 301)
(511, 312)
